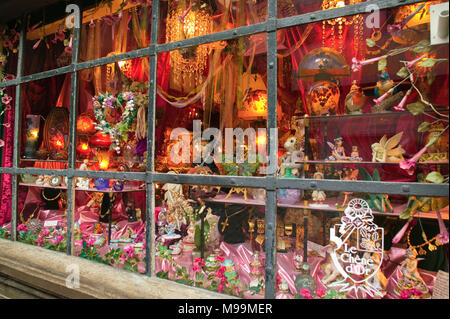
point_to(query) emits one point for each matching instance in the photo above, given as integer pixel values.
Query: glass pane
(109, 226)
(7, 105)
(118, 29)
(5, 207)
(45, 123)
(112, 117)
(221, 261)
(9, 46)
(323, 248)
(187, 19)
(42, 212)
(349, 107)
(212, 103)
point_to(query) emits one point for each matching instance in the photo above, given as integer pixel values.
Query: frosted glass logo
(373, 19)
(359, 250)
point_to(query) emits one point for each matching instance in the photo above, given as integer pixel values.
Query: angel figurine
(337, 150)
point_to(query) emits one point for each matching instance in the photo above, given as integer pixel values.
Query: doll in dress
(337, 150)
(354, 156)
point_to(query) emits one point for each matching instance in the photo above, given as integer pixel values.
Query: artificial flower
(220, 288)
(357, 64)
(305, 293)
(59, 239)
(404, 294)
(6, 99)
(410, 164)
(22, 227)
(320, 293)
(410, 64)
(443, 237)
(401, 106)
(37, 44)
(385, 95)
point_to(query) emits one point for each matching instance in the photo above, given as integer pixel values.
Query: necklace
(29, 218)
(225, 223)
(50, 199)
(422, 251)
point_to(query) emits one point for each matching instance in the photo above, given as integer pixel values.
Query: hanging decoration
(356, 20)
(106, 106)
(185, 22)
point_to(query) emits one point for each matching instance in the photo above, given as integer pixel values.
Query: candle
(32, 134)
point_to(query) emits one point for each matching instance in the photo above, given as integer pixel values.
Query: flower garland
(106, 101)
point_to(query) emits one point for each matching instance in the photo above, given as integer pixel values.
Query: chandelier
(357, 21)
(186, 21)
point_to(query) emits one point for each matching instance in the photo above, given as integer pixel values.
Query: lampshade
(255, 106)
(323, 63)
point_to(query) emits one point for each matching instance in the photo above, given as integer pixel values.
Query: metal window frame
(270, 182)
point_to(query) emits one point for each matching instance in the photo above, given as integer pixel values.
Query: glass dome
(323, 63)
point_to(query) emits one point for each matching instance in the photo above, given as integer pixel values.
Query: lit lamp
(83, 149)
(323, 66)
(32, 135)
(103, 157)
(255, 103)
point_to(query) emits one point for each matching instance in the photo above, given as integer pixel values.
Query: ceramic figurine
(255, 272)
(383, 85)
(304, 279)
(354, 156)
(355, 99)
(347, 174)
(337, 150)
(388, 150)
(211, 264)
(283, 290)
(188, 241)
(318, 196)
(294, 154)
(83, 183)
(131, 211)
(331, 273)
(409, 275)
(378, 281)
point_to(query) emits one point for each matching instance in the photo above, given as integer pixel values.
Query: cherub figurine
(294, 154)
(354, 156)
(337, 150)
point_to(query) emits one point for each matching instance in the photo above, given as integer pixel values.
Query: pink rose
(404, 294)
(22, 227)
(196, 268)
(220, 288)
(320, 293)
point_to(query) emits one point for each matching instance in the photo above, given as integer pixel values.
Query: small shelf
(125, 189)
(365, 163)
(331, 202)
(339, 116)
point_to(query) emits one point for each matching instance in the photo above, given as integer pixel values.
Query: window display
(177, 147)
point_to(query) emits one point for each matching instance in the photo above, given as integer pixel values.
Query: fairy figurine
(337, 150)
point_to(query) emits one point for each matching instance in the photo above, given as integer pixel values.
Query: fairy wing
(393, 141)
(331, 145)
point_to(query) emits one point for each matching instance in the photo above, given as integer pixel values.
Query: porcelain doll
(337, 150)
(354, 156)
